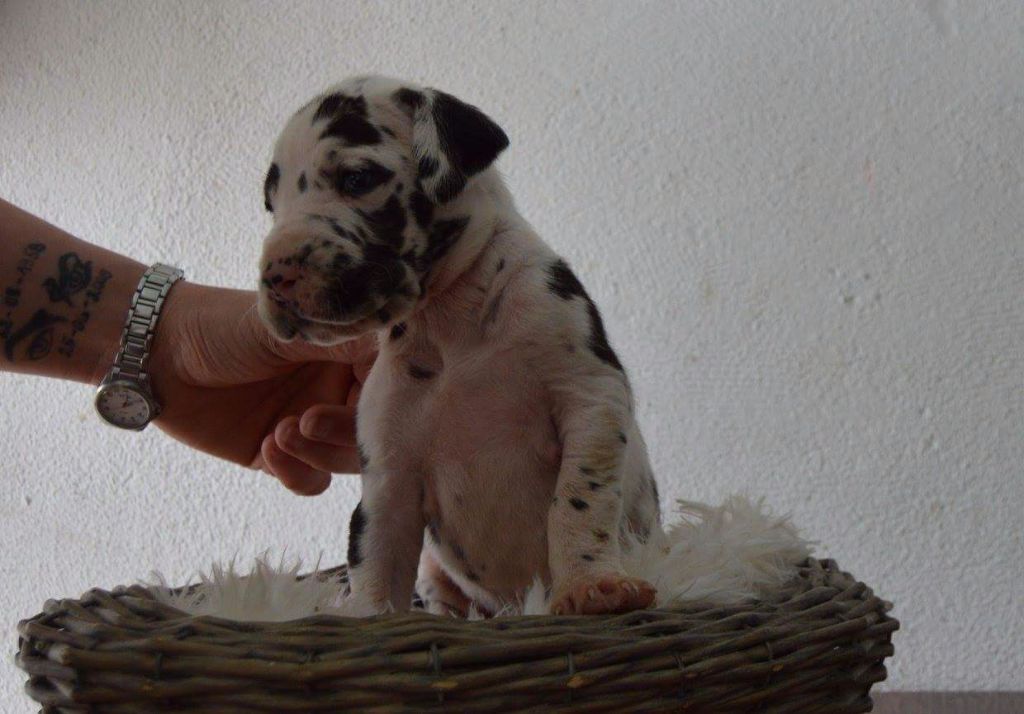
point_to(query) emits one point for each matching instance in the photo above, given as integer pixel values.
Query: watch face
(123, 406)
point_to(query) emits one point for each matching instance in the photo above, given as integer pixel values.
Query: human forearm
(62, 301)
(225, 386)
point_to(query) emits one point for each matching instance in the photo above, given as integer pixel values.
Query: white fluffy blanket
(719, 554)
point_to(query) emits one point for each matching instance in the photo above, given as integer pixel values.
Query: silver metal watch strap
(147, 302)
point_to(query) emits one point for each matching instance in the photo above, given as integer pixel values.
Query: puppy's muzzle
(319, 282)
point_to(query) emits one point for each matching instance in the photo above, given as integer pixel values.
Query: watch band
(140, 325)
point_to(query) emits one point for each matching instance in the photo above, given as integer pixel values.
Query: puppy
(497, 433)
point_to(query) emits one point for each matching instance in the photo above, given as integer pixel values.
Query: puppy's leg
(586, 512)
(593, 412)
(385, 540)
(441, 596)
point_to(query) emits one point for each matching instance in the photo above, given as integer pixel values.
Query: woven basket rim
(818, 644)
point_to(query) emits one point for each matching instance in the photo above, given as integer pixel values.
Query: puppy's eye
(360, 181)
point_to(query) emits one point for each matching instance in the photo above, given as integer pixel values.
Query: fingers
(326, 455)
(303, 453)
(295, 474)
(331, 424)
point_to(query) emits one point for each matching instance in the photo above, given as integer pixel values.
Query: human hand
(227, 387)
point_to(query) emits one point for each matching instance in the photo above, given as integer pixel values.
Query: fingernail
(290, 436)
(321, 428)
(316, 485)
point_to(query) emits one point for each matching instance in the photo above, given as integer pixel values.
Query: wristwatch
(125, 396)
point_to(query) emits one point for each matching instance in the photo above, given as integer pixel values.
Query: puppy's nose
(281, 280)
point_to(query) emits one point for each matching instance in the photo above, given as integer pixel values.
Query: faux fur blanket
(717, 554)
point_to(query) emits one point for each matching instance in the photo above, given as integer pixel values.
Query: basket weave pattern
(817, 645)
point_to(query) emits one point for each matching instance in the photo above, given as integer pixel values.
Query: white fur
(719, 554)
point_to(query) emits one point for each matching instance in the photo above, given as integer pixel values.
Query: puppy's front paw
(603, 594)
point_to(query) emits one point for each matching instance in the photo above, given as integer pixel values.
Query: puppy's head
(353, 186)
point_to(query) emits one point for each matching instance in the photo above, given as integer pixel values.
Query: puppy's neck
(463, 280)
(487, 204)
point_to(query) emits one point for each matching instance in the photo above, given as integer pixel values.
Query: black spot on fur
(387, 222)
(422, 208)
(302, 182)
(384, 316)
(348, 290)
(388, 131)
(579, 504)
(353, 129)
(336, 228)
(443, 235)
(364, 460)
(588, 557)
(302, 255)
(409, 98)
(398, 330)
(602, 536)
(563, 282)
(449, 187)
(622, 438)
(458, 552)
(472, 576)
(594, 485)
(270, 186)
(501, 266)
(419, 373)
(334, 104)
(598, 342)
(427, 167)
(356, 526)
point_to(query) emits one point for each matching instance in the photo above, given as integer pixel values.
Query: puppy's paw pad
(603, 595)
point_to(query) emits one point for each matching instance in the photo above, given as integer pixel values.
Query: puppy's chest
(467, 403)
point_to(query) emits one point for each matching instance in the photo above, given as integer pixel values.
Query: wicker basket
(816, 646)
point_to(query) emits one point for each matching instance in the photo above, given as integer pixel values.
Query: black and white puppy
(496, 428)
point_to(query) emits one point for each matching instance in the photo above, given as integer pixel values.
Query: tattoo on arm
(73, 275)
(92, 296)
(39, 333)
(12, 293)
(35, 339)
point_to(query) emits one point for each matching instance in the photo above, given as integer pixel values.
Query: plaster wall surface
(804, 223)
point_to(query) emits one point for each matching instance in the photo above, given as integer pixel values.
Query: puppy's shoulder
(541, 300)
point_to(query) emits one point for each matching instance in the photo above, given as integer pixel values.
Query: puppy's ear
(452, 141)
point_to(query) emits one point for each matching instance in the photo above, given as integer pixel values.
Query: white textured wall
(804, 222)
